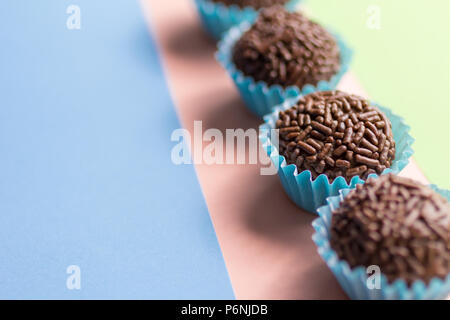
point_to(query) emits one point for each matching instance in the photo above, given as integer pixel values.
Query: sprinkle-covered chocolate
(397, 224)
(287, 49)
(257, 4)
(336, 134)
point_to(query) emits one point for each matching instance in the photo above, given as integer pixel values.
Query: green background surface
(404, 65)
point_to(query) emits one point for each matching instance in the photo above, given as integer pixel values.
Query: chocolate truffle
(397, 224)
(256, 4)
(287, 49)
(337, 134)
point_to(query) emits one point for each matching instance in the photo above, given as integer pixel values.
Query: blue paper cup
(310, 194)
(354, 281)
(217, 18)
(258, 96)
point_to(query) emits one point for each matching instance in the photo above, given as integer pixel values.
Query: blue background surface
(85, 171)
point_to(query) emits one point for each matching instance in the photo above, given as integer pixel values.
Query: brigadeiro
(397, 224)
(218, 16)
(256, 4)
(287, 49)
(336, 134)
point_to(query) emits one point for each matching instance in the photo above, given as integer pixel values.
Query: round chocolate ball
(256, 4)
(336, 134)
(397, 224)
(287, 49)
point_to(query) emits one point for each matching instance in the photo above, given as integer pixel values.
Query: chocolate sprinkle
(257, 4)
(342, 132)
(287, 49)
(397, 224)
